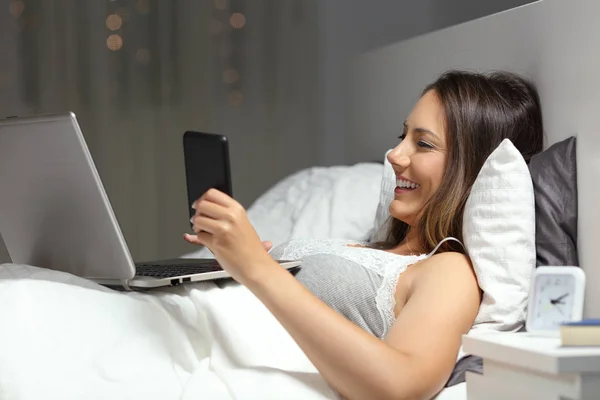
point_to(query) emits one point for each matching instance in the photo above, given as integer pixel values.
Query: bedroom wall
(350, 27)
(178, 65)
(554, 42)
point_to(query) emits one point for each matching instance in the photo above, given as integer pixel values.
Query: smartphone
(206, 157)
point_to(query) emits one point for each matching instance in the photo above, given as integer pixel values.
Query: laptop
(54, 211)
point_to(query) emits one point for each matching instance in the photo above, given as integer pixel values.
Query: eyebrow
(422, 130)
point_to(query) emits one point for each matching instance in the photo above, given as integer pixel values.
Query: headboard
(553, 42)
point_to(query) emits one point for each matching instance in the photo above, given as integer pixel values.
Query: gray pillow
(554, 176)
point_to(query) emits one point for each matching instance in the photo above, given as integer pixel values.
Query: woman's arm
(419, 352)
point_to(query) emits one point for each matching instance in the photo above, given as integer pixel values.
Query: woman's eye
(425, 145)
(402, 137)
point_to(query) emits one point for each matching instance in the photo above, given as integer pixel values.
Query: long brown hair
(481, 110)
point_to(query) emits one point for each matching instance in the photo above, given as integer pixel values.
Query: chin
(399, 212)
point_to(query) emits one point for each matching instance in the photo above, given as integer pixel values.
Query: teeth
(406, 184)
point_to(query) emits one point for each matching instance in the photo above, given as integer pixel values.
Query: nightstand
(520, 366)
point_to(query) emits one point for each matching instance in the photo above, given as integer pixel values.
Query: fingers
(267, 245)
(218, 205)
(206, 224)
(216, 196)
(200, 239)
(209, 209)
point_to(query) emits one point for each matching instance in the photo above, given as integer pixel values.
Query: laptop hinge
(125, 284)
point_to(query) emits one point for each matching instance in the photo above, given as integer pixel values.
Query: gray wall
(134, 110)
(553, 42)
(351, 27)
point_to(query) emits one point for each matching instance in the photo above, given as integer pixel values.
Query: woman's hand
(222, 225)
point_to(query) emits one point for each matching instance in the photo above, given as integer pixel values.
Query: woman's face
(419, 161)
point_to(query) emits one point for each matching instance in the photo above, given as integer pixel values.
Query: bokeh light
(221, 4)
(237, 20)
(142, 6)
(114, 22)
(236, 98)
(16, 8)
(230, 75)
(114, 42)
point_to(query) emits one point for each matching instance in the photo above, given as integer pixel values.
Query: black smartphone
(206, 157)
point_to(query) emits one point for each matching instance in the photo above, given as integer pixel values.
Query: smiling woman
(368, 316)
(419, 160)
(458, 121)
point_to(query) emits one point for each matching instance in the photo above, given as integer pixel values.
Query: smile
(405, 185)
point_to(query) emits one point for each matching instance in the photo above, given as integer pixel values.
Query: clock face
(553, 301)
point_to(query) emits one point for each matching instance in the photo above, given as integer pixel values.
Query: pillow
(498, 231)
(318, 202)
(554, 175)
(499, 236)
(386, 195)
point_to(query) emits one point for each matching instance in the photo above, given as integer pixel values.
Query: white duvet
(63, 337)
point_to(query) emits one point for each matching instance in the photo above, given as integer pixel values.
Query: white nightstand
(520, 366)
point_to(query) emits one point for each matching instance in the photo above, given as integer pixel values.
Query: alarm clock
(556, 295)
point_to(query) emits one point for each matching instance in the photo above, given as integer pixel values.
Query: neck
(411, 245)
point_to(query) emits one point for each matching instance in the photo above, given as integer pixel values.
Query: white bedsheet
(68, 338)
(64, 337)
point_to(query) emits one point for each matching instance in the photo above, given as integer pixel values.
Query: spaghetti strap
(440, 243)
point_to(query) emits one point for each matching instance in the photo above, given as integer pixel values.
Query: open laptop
(54, 211)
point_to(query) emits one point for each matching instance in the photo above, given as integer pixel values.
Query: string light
(114, 22)
(236, 98)
(114, 42)
(237, 20)
(230, 76)
(221, 4)
(16, 8)
(142, 6)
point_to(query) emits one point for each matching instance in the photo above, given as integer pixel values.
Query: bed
(65, 337)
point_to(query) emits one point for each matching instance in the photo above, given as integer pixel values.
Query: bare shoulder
(445, 267)
(449, 258)
(445, 275)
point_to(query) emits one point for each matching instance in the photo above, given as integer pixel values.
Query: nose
(398, 157)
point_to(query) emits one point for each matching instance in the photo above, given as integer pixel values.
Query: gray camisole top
(358, 282)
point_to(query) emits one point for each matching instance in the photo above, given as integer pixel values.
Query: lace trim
(371, 259)
(385, 298)
(387, 265)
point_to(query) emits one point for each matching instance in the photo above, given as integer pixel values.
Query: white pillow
(498, 233)
(318, 202)
(383, 218)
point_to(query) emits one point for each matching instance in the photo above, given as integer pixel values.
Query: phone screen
(206, 158)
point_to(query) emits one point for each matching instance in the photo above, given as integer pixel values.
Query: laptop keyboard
(172, 270)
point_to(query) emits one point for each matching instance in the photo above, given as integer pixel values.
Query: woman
(385, 321)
